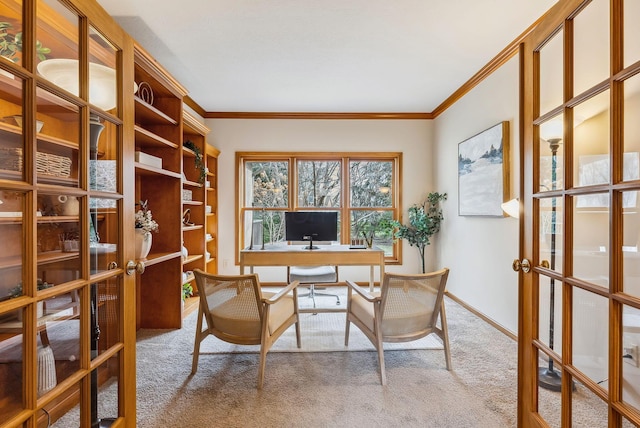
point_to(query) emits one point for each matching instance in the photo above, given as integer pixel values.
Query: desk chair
(313, 275)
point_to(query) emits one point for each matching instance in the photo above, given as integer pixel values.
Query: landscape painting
(483, 172)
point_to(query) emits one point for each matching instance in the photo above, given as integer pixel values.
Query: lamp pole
(548, 377)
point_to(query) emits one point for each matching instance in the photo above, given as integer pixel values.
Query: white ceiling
(336, 56)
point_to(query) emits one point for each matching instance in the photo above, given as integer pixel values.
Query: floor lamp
(95, 129)
(548, 377)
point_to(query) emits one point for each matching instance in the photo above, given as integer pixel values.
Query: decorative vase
(143, 243)
(46, 370)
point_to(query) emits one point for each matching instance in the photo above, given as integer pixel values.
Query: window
(361, 187)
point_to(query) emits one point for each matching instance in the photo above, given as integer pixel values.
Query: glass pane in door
(103, 234)
(12, 230)
(58, 156)
(591, 335)
(631, 356)
(551, 213)
(631, 243)
(58, 34)
(12, 153)
(587, 409)
(551, 154)
(103, 154)
(549, 406)
(107, 301)
(591, 50)
(11, 365)
(58, 340)
(108, 375)
(591, 238)
(591, 141)
(58, 238)
(551, 63)
(550, 313)
(11, 34)
(631, 136)
(631, 32)
(102, 72)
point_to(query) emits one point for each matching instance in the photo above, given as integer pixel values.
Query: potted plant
(199, 161)
(17, 292)
(187, 290)
(424, 222)
(11, 44)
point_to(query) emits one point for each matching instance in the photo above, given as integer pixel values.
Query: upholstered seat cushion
(239, 315)
(313, 274)
(413, 317)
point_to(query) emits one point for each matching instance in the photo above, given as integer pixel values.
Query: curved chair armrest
(361, 291)
(281, 293)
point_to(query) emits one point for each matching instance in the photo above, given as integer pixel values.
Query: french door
(67, 308)
(580, 301)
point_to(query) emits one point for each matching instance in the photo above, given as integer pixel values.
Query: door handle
(133, 267)
(524, 265)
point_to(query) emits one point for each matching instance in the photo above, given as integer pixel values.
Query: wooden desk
(325, 255)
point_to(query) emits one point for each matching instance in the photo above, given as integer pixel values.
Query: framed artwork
(483, 172)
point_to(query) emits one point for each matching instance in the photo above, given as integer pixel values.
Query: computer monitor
(311, 226)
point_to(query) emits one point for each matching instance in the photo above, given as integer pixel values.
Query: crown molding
(312, 115)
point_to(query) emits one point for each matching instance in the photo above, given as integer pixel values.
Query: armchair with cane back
(405, 309)
(236, 310)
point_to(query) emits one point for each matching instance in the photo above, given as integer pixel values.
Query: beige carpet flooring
(336, 389)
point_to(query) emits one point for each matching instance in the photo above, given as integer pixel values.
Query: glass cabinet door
(63, 285)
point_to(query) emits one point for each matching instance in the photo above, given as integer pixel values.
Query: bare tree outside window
(319, 183)
(269, 189)
(371, 184)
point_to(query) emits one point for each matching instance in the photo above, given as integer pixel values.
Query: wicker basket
(46, 163)
(10, 159)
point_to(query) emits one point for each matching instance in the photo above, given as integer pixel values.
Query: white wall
(412, 137)
(479, 250)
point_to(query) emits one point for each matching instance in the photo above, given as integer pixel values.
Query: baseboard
(491, 322)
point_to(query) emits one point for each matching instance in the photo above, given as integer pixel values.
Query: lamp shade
(512, 208)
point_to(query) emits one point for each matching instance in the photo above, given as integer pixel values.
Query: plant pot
(143, 243)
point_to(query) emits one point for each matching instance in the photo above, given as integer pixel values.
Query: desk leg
(371, 279)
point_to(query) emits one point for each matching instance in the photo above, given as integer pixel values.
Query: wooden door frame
(527, 413)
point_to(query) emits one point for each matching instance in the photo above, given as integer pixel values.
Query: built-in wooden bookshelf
(158, 142)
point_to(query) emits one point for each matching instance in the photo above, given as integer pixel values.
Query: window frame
(345, 208)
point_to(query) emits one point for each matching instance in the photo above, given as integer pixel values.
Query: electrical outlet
(630, 355)
(225, 263)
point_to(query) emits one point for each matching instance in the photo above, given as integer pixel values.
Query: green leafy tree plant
(11, 44)
(424, 222)
(199, 160)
